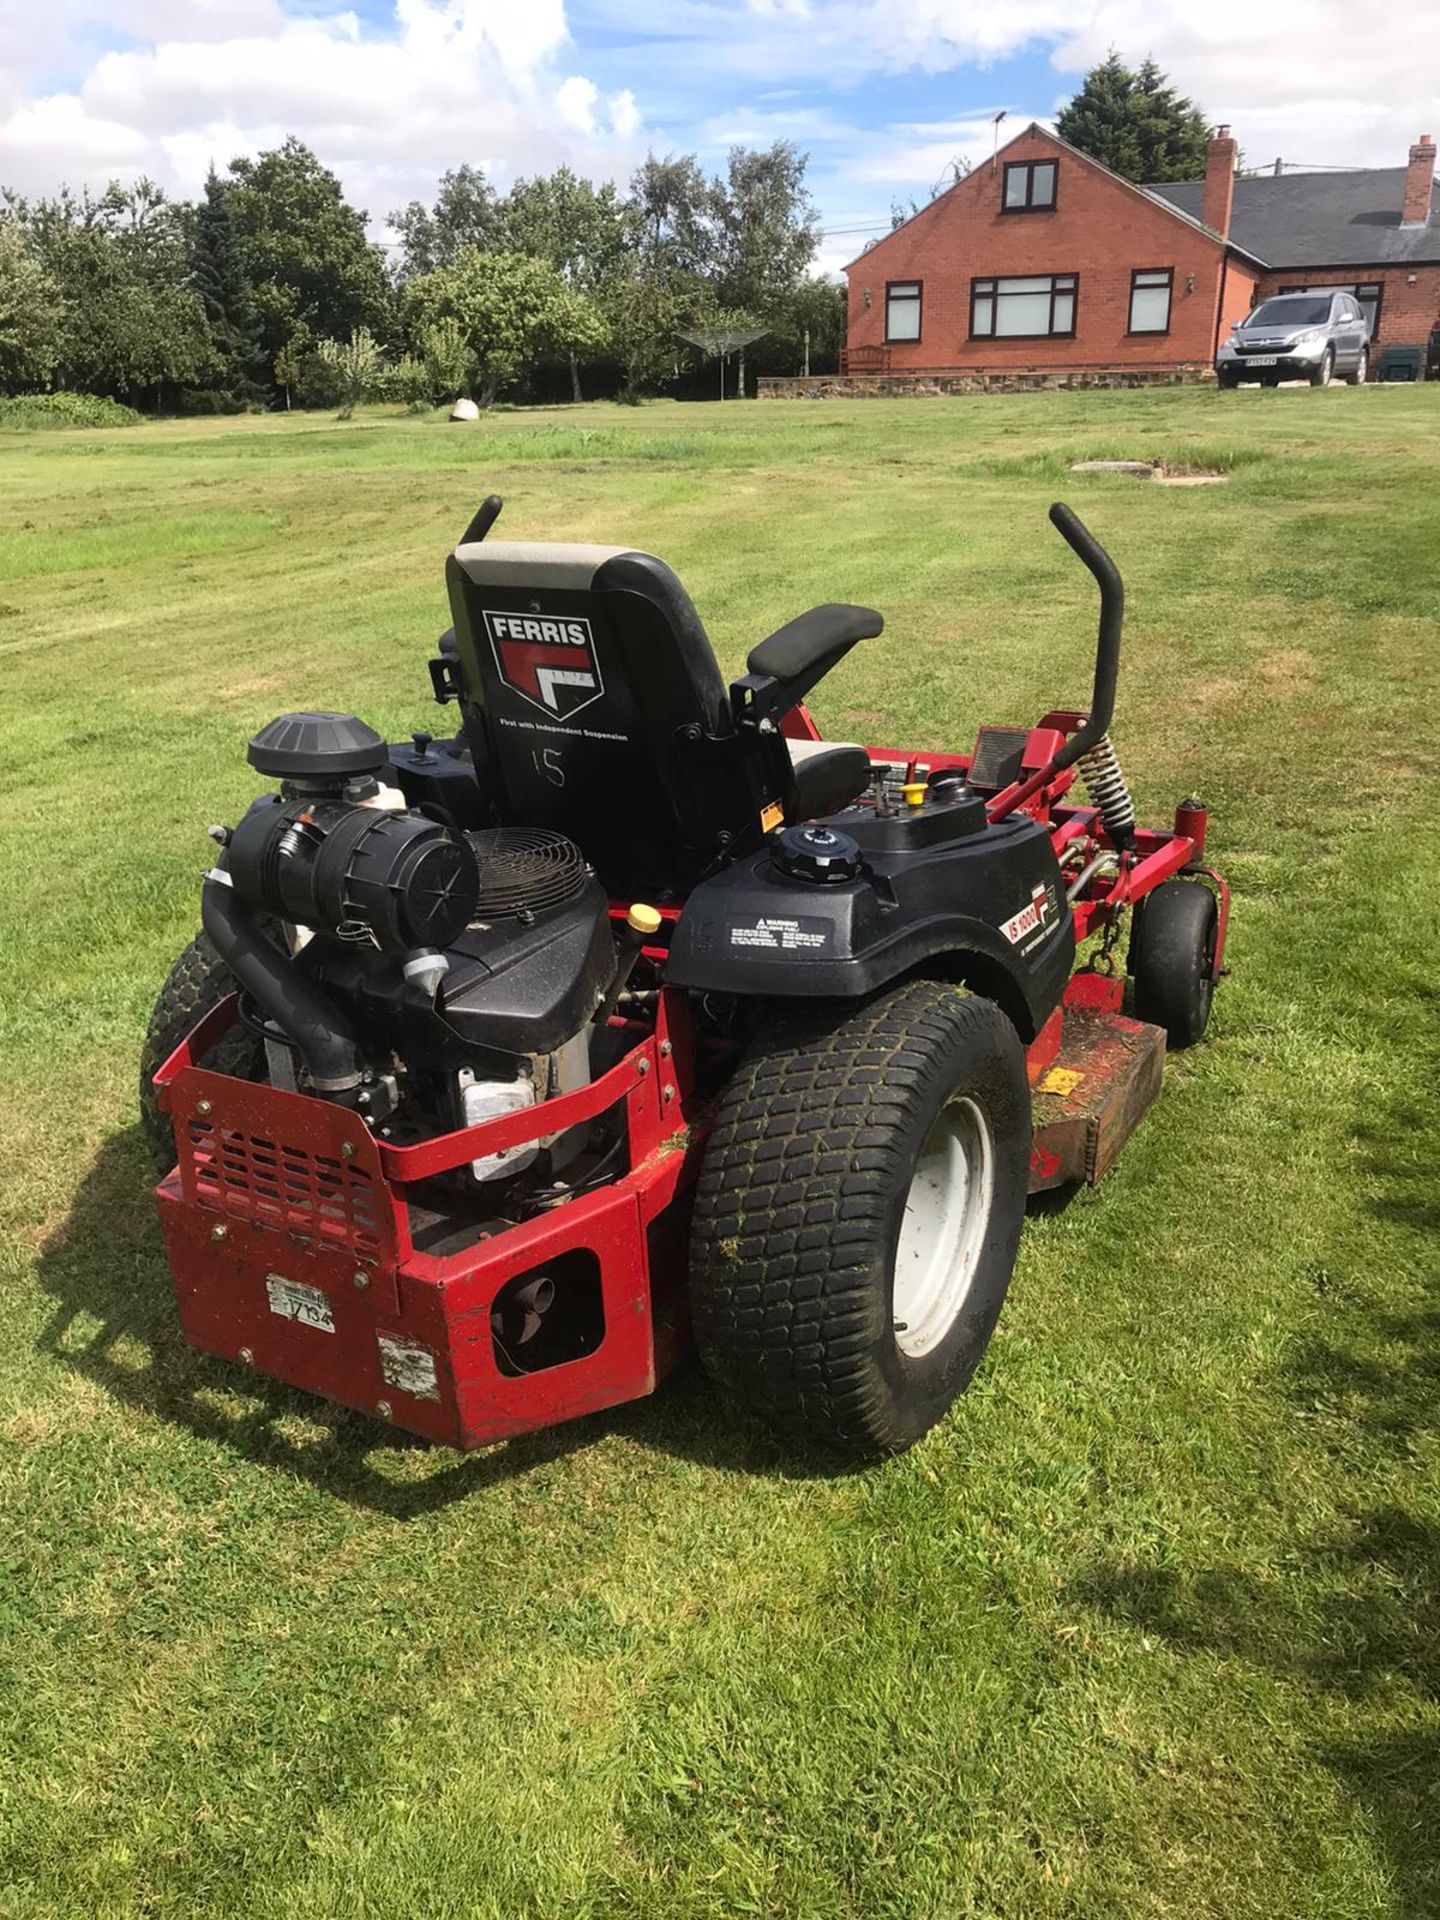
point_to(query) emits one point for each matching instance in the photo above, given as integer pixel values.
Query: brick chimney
(1419, 183)
(1220, 158)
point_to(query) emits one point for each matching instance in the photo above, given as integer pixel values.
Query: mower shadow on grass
(1358, 1628)
(115, 1324)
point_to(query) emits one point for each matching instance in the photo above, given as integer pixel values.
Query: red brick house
(1042, 260)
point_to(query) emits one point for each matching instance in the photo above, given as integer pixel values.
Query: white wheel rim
(942, 1235)
(1327, 368)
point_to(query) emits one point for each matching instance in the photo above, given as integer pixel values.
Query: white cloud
(449, 81)
(1345, 92)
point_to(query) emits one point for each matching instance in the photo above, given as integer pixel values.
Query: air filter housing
(317, 748)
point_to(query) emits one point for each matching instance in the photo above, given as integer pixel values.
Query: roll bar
(1078, 537)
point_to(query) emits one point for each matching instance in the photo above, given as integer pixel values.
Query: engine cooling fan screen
(525, 870)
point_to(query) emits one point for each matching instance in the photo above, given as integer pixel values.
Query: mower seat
(828, 774)
(592, 698)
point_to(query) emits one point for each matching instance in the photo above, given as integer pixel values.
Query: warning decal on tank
(550, 662)
(409, 1366)
(1024, 928)
(775, 935)
(293, 1300)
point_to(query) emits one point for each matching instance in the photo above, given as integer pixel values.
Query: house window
(1038, 308)
(1150, 289)
(1369, 294)
(1030, 186)
(902, 310)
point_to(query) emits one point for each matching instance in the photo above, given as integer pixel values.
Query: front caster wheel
(1172, 957)
(858, 1213)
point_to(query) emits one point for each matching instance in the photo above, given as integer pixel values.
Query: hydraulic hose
(321, 1034)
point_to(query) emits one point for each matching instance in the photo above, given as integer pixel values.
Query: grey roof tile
(1349, 219)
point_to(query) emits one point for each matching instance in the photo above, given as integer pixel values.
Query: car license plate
(1261, 360)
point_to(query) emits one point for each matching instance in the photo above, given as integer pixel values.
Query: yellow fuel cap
(643, 919)
(914, 792)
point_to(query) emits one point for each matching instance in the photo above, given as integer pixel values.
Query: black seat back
(595, 707)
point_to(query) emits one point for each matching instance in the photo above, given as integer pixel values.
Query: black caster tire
(858, 1213)
(1172, 959)
(198, 981)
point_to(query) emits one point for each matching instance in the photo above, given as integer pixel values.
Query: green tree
(447, 356)
(356, 367)
(130, 323)
(219, 278)
(509, 310)
(678, 211)
(768, 227)
(585, 232)
(808, 325)
(1172, 130)
(646, 316)
(290, 360)
(1135, 123)
(465, 214)
(304, 248)
(30, 313)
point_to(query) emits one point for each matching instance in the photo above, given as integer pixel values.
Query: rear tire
(858, 1213)
(198, 981)
(1172, 957)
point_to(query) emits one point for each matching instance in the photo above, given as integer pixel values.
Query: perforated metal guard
(314, 1195)
(525, 870)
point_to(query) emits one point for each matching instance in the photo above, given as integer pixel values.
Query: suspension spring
(1105, 783)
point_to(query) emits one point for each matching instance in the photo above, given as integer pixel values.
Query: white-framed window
(902, 310)
(1030, 186)
(1150, 291)
(1032, 307)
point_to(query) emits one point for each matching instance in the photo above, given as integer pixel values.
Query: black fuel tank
(926, 886)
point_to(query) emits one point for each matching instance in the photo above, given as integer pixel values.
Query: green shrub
(38, 410)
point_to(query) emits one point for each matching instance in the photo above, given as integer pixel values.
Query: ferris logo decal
(1031, 919)
(550, 663)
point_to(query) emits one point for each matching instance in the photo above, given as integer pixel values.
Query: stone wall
(874, 386)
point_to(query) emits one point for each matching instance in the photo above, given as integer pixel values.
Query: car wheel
(858, 1213)
(1228, 381)
(1269, 379)
(1325, 372)
(1362, 369)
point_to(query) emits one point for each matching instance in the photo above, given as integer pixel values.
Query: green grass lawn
(1149, 1627)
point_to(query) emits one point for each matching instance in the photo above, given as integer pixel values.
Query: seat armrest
(805, 649)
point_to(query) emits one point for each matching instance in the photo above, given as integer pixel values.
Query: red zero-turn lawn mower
(505, 1062)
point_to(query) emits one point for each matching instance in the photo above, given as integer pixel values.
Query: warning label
(783, 936)
(409, 1366)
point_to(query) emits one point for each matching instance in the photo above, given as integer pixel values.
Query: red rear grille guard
(252, 1164)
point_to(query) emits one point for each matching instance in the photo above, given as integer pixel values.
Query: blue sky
(882, 94)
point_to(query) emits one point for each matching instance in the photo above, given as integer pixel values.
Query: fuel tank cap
(817, 853)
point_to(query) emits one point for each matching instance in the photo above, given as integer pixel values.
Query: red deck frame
(288, 1223)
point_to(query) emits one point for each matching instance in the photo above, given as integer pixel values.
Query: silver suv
(1311, 336)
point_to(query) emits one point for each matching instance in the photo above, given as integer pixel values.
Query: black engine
(428, 976)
